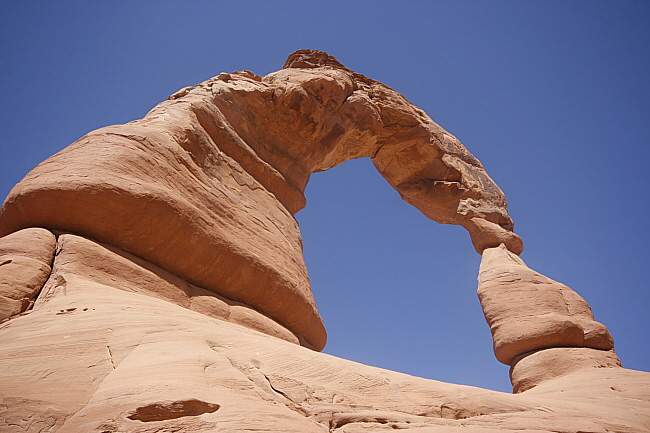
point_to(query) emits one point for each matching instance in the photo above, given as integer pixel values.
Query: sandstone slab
(108, 357)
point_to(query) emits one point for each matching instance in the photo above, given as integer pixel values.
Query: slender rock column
(541, 328)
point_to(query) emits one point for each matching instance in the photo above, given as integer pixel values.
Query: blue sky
(552, 96)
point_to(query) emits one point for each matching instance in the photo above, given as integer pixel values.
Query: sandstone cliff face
(152, 278)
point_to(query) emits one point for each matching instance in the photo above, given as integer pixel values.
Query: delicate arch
(206, 184)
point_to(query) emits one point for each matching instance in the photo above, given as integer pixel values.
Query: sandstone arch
(205, 185)
(118, 254)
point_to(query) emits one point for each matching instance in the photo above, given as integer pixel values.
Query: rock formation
(152, 279)
(541, 328)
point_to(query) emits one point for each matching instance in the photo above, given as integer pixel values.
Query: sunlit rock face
(152, 278)
(206, 184)
(535, 318)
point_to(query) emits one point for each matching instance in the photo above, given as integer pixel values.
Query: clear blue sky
(552, 96)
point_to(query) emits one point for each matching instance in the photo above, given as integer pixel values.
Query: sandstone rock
(114, 360)
(532, 369)
(178, 299)
(205, 185)
(527, 311)
(25, 260)
(488, 234)
(541, 328)
(83, 259)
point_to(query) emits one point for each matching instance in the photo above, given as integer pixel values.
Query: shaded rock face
(152, 278)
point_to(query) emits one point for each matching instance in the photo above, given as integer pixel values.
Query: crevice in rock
(277, 390)
(163, 411)
(32, 301)
(66, 311)
(110, 356)
(286, 400)
(340, 420)
(379, 148)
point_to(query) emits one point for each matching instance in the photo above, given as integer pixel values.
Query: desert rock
(528, 311)
(110, 360)
(206, 185)
(541, 328)
(152, 276)
(25, 264)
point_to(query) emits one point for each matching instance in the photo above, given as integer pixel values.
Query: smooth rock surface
(25, 264)
(81, 258)
(99, 359)
(206, 184)
(535, 368)
(528, 311)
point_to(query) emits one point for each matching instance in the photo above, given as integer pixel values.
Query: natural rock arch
(192, 207)
(205, 185)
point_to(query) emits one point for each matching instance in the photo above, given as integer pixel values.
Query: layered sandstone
(206, 185)
(152, 278)
(25, 264)
(540, 327)
(100, 359)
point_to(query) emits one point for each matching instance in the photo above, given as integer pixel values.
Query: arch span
(205, 186)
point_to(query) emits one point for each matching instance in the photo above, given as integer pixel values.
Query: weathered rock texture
(100, 359)
(169, 291)
(206, 185)
(25, 263)
(540, 327)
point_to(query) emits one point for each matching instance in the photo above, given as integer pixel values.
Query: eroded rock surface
(540, 327)
(111, 360)
(25, 264)
(528, 311)
(169, 292)
(206, 185)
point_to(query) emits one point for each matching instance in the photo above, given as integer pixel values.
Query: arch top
(359, 117)
(306, 58)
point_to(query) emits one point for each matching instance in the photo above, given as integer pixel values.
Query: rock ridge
(74, 257)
